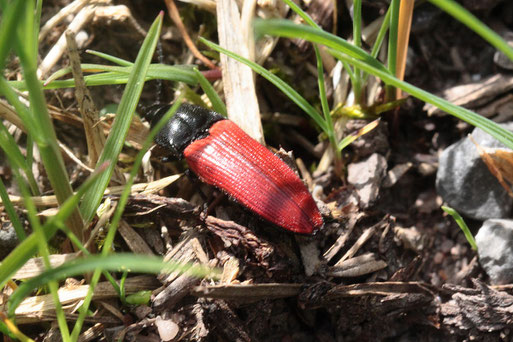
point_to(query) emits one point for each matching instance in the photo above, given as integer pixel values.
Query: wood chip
(134, 241)
(476, 94)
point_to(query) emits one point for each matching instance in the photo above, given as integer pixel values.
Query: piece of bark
(329, 295)
(480, 309)
(134, 241)
(222, 320)
(247, 292)
(177, 285)
(234, 234)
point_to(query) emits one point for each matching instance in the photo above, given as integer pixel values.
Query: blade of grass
(115, 262)
(461, 14)
(216, 101)
(357, 41)
(120, 75)
(461, 223)
(353, 136)
(43, 131)
(286, 29)
(16, 159)
(392, 47)
(124, 114)
(503, 135)
(11, 212)
(8, 28)
(279, 83)
(26, 249)
(313, 24)
(110, 58)
(109, 239)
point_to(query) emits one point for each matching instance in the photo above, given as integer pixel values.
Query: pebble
(366, 177)
(465, 183)
(495, 249)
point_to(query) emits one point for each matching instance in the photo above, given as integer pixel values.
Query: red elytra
(231, 160)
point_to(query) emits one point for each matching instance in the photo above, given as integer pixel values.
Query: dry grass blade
(403, 36)
(35, 308)
(144, 188)
(94, 135)
(238, 79)
(175, 16)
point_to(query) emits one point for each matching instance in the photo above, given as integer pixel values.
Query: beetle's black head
(189, 123)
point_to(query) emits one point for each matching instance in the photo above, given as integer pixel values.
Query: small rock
(465, 183)
(366, 177)
(500, 58)
(495, 249)
(167, 329)
(8, 239)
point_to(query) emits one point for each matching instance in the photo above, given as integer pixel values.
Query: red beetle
(223, 155)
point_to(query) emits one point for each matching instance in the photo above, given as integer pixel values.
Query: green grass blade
(392, 46)
(11, 212)
(461, 223)
(279, 83)
(286, 28)
(461, 14)
(109, 239)
(8, 28)
(115, 262)
(302, 13)
(15, 157)
(321, 37)
(120, 75)
(43, 131)
(26, 249)
(113, 59)
(124, 114)
(503, 135)
(216, 101)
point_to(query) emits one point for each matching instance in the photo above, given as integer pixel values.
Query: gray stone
(495, 249)
(465, 183)
(366, 177)
(8, 239)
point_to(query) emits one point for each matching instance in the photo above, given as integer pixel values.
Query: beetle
(221, 154)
